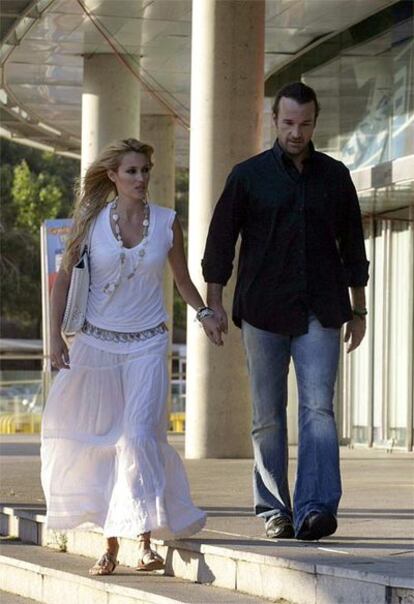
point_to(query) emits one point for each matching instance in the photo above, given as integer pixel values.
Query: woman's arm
(186, 287)
(59, 354)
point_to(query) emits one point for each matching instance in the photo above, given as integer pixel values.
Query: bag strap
(87, 242)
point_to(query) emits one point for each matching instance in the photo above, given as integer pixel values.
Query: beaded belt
(120, 336)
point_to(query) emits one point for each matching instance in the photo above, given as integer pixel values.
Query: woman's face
(132, 176)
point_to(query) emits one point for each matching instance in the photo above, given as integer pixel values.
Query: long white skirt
(105, 456)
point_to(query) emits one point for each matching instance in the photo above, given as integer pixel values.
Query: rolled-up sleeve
(224, 230)
(351, 239)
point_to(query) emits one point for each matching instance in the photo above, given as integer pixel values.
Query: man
(302, 248)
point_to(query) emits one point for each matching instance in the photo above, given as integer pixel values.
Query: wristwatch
(203, 312)
(360, 312)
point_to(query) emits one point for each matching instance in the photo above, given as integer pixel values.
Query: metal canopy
(43, 43)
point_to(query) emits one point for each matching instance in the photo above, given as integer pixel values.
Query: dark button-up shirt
(302, 242)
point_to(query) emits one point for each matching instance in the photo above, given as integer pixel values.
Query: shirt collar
(280, 154)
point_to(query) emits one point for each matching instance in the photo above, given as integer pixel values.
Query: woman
(105, 456)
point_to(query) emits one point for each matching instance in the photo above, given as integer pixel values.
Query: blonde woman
(105, 456)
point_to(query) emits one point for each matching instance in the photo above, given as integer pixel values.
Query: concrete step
(50, 577)
(299, 573)
(8, 598)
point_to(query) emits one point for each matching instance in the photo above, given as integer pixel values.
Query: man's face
(295, 124)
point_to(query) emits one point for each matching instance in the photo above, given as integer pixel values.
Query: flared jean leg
(268, 357)
(318, 483)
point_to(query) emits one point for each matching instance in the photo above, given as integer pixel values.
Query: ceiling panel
(42, 57)
(44, 74)
(178, 10)
(10, 10)
(287, 40)
(128, 9)
(53, 26)
(67, 7)
(115, 26)
(33, 96)
(154, 61)
(45, 71)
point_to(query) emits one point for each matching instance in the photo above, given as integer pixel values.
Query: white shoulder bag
(77, 298)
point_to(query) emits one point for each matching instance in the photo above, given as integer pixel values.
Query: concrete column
(159, 132)
(110, 105)
(227, 84)
(410, 327)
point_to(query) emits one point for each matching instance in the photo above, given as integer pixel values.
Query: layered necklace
(139, 257)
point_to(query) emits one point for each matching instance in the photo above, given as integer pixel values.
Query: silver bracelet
(203, 312)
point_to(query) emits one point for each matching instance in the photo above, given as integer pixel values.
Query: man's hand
(354, 333)
(214, 301)
(212, 330)
(221, 316)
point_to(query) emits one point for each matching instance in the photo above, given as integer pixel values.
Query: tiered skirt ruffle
(105, 456)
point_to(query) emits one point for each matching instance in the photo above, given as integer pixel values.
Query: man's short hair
(298, 92)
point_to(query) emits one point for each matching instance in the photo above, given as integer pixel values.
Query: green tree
(20, 284)
(34, 186)
(181, 196)
(35, 198)
(181, 206)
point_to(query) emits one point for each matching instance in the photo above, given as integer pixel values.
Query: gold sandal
(150, 560)
(106, 565)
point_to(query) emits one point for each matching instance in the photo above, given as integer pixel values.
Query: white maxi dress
(105, 456)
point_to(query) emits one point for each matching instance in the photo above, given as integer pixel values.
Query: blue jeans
(318, 483)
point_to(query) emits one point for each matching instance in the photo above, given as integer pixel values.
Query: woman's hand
(212, 328)
(59, 354)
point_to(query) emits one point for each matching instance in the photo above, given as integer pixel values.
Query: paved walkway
(376, 518)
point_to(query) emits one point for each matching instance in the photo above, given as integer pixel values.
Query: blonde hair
(94, 190)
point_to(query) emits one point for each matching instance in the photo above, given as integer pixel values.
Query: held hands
(221, 316)
(59, 354)
(354, 333)
(216, 325)
(212, 330)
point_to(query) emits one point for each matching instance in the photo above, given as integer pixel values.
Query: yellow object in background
(20, 423)
(177, 422)
(29, 423)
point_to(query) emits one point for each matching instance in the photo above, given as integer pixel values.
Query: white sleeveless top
(138, 303)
